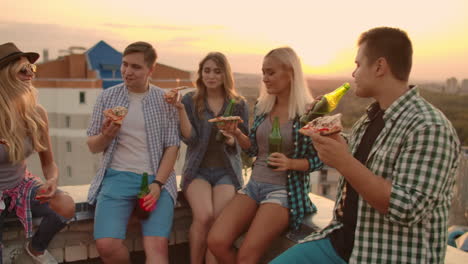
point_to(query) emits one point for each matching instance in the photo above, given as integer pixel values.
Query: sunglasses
(28, 69)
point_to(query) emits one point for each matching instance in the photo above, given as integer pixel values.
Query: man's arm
(100, 142)
(422, 174)
(333, 151)
(101, 131)
(167, 163)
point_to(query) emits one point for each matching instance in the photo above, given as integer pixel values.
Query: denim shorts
(266, 193)
(115, 203)
(214, 176)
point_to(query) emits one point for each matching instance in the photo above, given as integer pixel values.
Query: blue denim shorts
(115, 203)
(214, 176)
(266, 193)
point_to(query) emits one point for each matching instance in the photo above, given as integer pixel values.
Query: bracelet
(158, 183)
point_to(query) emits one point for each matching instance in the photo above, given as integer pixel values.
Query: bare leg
(222, 195)
(199, 196)
(231, 223)
(156, 249)
(112, 251)
(263, 231)
(63, 205)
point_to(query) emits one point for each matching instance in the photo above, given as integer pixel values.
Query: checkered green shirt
(418, 151)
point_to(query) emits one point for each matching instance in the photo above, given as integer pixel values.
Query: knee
(63, 205)
(217, 242)
(107, 246)
(203, 221)
(156, 247)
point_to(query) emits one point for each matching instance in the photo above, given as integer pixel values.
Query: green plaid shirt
(418, 151)
(298, 186)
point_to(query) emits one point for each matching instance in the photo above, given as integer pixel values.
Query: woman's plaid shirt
(418, 151)
(298, 185)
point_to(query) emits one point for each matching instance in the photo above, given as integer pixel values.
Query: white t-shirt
(131, 153)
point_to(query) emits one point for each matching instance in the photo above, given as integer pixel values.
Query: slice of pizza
(173, 92)
(225, 119)
(116, 114)
(325, 125)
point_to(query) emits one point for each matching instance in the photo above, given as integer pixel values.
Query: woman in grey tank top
(273, 198)
(212, 171)
(24, 129)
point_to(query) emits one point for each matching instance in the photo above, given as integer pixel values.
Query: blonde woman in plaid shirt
(282, 193)
(396, 189)
(24, 130)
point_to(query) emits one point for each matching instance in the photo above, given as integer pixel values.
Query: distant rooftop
(99, 67)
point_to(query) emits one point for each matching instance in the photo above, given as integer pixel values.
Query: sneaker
(45, 258)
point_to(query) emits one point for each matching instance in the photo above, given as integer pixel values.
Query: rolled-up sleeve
(187, 101)
(97, 118)
(423, 171)
(311, 155)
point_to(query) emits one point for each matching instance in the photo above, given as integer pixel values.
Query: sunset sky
(323, 33)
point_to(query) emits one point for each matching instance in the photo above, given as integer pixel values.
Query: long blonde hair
(228, 81)
(19, 115)
(299, 96)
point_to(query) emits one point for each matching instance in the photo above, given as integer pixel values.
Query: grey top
(12, 174)
(261, 172)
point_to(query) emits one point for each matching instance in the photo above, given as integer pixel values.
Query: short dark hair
(394, 45)
(149, 53)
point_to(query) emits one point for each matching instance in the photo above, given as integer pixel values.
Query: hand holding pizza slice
(325, 125)
(116, 114)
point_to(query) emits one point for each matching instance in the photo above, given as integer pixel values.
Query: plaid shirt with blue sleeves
(162, 131)
(418, 152)
(298, 185)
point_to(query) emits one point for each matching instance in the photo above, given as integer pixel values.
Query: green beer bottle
(327, 104)
(228, 112)
(274, 140)
(141, 212)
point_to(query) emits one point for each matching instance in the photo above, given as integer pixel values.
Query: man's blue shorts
(115, 203)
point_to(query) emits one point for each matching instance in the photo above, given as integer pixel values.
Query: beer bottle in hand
(274, 140)
(141, 212)
(327, 104)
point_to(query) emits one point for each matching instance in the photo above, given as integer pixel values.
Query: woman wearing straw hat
(23, 130)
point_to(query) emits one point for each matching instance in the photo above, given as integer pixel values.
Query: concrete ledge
(75, 242)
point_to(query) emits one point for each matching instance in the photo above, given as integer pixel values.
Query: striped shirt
(418, 152)
(161, 125)
(298, 183)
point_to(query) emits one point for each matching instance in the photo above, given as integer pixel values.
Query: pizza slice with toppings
(116, 114)
(325, 125)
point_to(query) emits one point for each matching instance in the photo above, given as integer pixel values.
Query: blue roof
(105, 60)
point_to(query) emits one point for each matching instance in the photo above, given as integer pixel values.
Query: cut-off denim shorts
(266, 193)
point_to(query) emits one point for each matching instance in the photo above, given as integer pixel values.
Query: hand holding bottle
(326, 104)
(279, 161)
(146, 198)
(150, 200)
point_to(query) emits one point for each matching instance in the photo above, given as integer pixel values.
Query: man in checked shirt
(398, 169)
(146, 141)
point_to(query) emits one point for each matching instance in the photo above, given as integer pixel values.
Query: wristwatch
(158, 183)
